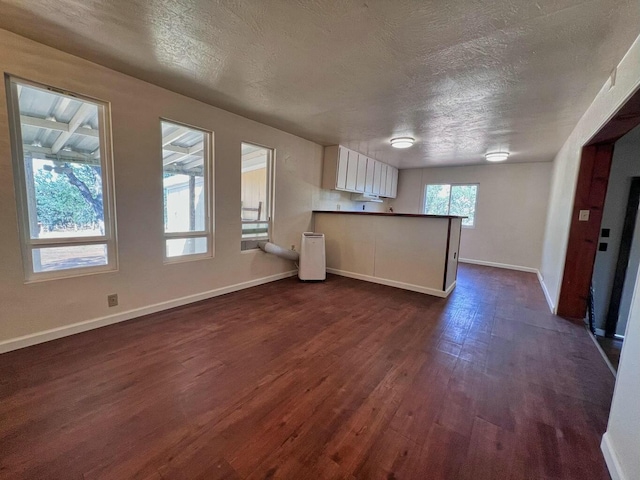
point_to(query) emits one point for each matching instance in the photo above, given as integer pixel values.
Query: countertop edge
(386, 214)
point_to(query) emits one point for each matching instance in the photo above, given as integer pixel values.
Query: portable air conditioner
(312, 257)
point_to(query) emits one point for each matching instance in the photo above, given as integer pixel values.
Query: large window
(62, 165)
(186, 160)
(256, 194)
(446, 199)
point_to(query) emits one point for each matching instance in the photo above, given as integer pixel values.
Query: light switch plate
(584, 216)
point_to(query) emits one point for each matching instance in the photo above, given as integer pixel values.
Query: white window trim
(451, 185)
(270, 195)
(208, 163)
(108, 189)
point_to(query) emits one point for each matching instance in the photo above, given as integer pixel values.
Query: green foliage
(59, 203)
(437, 199)
(463, 202)
(452, 200)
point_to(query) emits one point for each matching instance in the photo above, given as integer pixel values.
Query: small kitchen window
(452, 199)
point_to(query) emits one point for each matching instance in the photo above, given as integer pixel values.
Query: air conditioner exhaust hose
(278, 251)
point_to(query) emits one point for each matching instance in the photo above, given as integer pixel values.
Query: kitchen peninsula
(409, 251)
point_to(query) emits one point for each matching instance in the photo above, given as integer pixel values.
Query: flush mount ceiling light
(497, 156)
(402, 142)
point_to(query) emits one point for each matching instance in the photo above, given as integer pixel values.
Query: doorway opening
(618, 254)
(604, 209)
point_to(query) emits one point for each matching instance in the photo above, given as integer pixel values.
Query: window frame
(270, 197)
(451, 185)
(208, 184)
(28, 244)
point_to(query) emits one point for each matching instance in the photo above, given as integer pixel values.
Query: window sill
(188, 258)
(49, 276)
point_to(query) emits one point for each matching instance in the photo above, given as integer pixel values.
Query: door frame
(591, 191)
(624, 254)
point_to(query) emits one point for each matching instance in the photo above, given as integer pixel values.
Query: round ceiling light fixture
(402, 142)
(497, 156)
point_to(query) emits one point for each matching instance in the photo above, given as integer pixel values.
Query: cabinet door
(394, 183)
(383, 180)
(389, 185)
(384, 186)
(341, 176)
(368, 182)
(377, 177)
(352, 171)
(361, 177)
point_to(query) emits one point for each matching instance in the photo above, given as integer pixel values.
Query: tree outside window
(448, 199)
(62, 165)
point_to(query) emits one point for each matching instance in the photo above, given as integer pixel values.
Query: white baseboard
(610, 457)
(498, 265)
(552, 307)
(55, 333)
(602, 354)
(448, 291)
(394, 283)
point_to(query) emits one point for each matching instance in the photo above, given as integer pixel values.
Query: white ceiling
(461, 76)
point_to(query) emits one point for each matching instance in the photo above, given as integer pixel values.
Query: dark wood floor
(335, 380)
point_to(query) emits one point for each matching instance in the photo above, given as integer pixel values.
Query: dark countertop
(386, 214)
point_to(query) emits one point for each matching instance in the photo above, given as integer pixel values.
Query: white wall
(567, 163)
(337, 200)
(625, 164)
(510, 213)
(622, 442)
(143, 280)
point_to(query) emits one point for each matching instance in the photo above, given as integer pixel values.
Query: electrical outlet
(112, 300)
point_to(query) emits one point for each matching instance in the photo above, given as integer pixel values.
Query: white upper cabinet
(368, 182)
(383, 179)
(361, 177)
(394, 183)
(343, 159)
(377, 176)
(389, 184)
(351, 171)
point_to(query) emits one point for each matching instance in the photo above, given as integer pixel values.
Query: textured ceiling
(461, 76)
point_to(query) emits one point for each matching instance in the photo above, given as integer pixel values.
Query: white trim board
(602, 354)
(67, 330)
(498, 265)
(394, 283)
(611, 459)
(552, 307)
